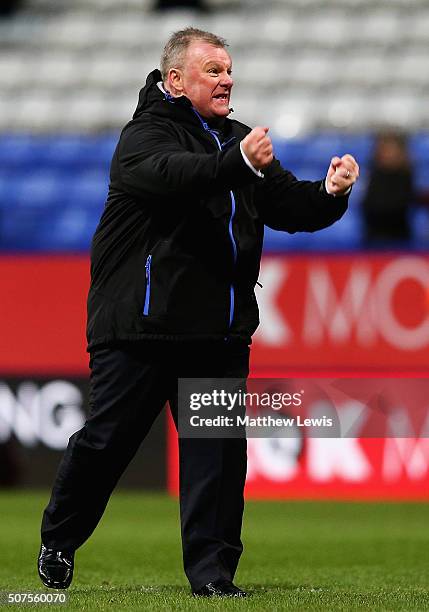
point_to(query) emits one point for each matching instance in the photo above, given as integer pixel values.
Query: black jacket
(177, 251)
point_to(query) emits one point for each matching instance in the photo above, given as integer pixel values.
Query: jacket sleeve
(151, 159)
(287, 204)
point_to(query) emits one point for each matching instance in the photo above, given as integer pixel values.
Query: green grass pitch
(298, 556)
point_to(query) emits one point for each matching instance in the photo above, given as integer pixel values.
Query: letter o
(400, 336)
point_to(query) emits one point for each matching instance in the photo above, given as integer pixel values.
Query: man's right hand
(258, 148)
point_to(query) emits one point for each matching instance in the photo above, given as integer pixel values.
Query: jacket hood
(151, 96)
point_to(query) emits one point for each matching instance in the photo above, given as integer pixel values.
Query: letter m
(325, 311)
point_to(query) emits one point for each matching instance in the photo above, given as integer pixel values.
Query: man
(175, 260)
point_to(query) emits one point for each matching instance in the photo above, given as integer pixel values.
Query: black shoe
(219, 588)
(55, 567)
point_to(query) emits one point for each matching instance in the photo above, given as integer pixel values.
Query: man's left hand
(342, 174)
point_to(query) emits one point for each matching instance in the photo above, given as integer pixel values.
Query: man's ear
(175, 81)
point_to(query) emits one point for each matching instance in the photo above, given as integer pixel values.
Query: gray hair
(174, 51)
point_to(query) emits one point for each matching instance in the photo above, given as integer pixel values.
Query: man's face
(206, 79)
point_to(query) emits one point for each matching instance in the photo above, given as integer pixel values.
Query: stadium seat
(309, 50)
(419, 146)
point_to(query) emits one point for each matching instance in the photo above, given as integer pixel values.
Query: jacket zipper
(147, 296)
(231, 219)
(234, 249)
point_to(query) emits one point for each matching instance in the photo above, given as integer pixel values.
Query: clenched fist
(258, 148)
(342, 174)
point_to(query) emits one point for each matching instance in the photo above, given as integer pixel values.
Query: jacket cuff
(324, 188)
(247, 162)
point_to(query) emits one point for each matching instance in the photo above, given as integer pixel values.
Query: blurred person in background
(174, 263)
(8, 7)
(390, 193)
(165, 5)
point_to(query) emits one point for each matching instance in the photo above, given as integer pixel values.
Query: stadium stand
(329, 72)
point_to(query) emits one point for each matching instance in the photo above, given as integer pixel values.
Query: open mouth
(222, 96)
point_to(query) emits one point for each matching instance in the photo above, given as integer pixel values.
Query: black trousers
(129, 385)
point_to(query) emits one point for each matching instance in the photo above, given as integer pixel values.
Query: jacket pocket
(147, 296)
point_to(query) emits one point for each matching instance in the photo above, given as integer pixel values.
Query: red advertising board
(332, 312)
(365, 312)
(331, 468)
(346, 314)
(42, 315)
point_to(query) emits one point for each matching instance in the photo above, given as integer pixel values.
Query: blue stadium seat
(89, 188)
(308, 172)
(422, 175)
(358, 145)
(291, 152)
(20, 228)
(70, 229)
(419, 147)
(43, 188)
(320, 149)
(4, 188)
(60, 150)
(419, 219)
(70, 151)
(18, 151)
(47, 229)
